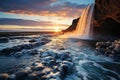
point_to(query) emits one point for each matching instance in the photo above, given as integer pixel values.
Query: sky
(39, 15)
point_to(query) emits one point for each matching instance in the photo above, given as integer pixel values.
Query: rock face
(105, 9)
(73, 26)
(111, 49)
(106, 18)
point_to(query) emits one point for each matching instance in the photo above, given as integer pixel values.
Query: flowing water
(88, 64)
(84, 26)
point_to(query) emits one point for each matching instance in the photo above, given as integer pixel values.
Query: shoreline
(6, 34)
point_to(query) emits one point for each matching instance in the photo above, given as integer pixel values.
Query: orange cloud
(42, 8)
(65, 12)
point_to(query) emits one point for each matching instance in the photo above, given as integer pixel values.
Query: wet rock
(52, 62)
(39, 68)
(48, 53)
(55, 69)
(64, 55)
(18, 54)
(117, 46)
(4, 40)
(44, 39)
(32, 76)
(32, 40)
(53, 76)
(21, 75)
(111, 49)
(4, 76)
(12, 77)
(102, 44)
(66, 67)
(28, 68)
(47, 70)
(18, 48)
(62, 48)
(33, 52)
(40, 74)
(47, 59)
(58, 60)
(37, 64)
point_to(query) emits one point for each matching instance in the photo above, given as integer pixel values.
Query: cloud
(21, 22)
(41, 7)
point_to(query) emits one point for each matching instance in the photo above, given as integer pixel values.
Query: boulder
(66, 67)
(32, 76)
(21, 75)
(12, 77)
(4, 76)
(32, 40)
(111, 49)
(18, 54)
(38, 68)
(33, 52)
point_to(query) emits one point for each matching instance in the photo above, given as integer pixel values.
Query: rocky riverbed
(47, 57)
(33, 62)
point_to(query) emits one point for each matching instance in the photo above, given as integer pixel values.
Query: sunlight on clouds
(30, 28)
(60, 13)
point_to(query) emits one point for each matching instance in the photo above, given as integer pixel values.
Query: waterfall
(84, 26)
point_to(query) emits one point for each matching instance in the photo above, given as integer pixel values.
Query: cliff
(73, 26)
(106, 18)
(107, 9)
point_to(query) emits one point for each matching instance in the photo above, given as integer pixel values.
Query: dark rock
(32, 76)
(108, 27)
(18, 54)
(52, 62)
(53, 76)
(32, 40)
(73, 26)
(49, 53)
(39, 68)
(4, 76)
(111, 49)
(4, 40)
(28, 68)
(14, 49)
(44, 39)
(40, 74)
(37, 64)
(64, 55)
(62, 48)
(106, 18)
(33, 52)
(107, 9)
(12, 77)
(21, 75)
(66, 67)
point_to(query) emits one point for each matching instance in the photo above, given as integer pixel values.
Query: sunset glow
(40, 15)
(57, 29)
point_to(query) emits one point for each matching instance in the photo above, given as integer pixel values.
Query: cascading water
(83, 28)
